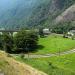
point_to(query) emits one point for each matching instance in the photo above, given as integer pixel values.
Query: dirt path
(18, 68)
(47, 55)
(1, 73)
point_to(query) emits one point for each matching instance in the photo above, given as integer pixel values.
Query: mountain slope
(67, 15)
(12, 67)
(47, 12)
(17, 13)
(31, 13)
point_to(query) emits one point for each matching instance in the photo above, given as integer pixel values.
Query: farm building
(46, 31)
(70, 34)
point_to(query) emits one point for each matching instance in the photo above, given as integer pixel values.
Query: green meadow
(55, 65)
(54, 43)
(63, 65)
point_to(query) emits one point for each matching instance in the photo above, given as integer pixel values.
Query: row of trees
(23, 41)
(63, 28)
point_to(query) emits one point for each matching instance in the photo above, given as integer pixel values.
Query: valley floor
(55, 56)
(54, 43)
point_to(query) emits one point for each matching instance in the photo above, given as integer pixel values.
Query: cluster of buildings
(70, 34)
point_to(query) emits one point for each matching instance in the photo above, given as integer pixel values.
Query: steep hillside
(31, 13)
(68, 15)
(12, 67)
(48, 11)
(16, 12)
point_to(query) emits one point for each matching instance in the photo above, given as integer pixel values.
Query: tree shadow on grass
(39, 47)
(32, 50)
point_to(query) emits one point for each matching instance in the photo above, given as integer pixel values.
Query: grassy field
(63, 65)
(55, 43)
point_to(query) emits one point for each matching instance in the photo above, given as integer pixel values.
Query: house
(46, 31)
(70, 34)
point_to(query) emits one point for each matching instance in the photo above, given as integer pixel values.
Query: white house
(70, 34)
(46, 31)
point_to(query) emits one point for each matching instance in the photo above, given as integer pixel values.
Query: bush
(7, 42)
(26, 41)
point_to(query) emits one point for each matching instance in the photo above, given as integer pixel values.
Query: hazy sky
(9, 3)
(4, 4)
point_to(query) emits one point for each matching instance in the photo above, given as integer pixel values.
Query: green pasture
(59, 65)
(54, 43)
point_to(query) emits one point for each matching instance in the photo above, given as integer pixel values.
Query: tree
(41, 33)
(26, 41)
(62, 28)
(7, 42)
(0, 41)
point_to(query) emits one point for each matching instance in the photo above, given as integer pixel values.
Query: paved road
(1, 73)
(48, 55)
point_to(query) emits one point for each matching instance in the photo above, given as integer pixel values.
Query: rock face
(67, 15)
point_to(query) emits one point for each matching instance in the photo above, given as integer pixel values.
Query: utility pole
(27, 49)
